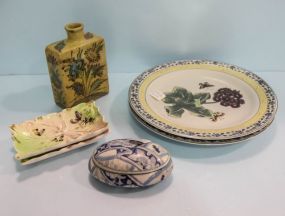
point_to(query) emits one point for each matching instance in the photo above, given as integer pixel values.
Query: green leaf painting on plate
(181, 99)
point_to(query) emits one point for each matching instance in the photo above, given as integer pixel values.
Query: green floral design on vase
(86, 73)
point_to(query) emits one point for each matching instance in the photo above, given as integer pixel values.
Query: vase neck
(74, 32)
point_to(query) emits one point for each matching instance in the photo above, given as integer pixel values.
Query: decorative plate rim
(199, 142)
(262, 118)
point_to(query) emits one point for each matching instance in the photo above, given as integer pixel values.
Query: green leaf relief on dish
(32, 139)
(26, 142)
(86, 112)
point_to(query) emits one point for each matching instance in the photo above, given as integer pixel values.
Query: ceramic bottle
(77, 67)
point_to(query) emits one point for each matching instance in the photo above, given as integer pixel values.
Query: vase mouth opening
(74, 27)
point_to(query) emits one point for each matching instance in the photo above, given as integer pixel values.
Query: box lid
(129, 156)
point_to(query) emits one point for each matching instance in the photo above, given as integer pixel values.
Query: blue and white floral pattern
(130, 163)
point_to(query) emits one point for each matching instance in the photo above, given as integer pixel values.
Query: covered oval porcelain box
(130, 163)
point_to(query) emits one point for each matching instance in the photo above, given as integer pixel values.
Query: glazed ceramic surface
(62, 150)
(77, 67)
(195, 141)
(50, 133)
(203, 100)
(130, 163)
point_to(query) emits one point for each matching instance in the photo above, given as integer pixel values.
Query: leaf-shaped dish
(48, 134)
(204, 100)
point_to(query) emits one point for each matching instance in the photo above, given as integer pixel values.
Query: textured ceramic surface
(62, 150)
(195, 141)
(77, 67)
(203, 100)
(130, 163)
(48, 134)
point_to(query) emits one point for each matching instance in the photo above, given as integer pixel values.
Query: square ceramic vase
(77, 67)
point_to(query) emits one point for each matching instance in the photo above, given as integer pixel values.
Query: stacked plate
(202, 102)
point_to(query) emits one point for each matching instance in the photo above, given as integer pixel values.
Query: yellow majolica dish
(203, 100)
(56, 133)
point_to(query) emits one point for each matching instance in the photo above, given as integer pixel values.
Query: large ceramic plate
(203, 100)
(195, 141)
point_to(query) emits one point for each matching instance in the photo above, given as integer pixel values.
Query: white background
(141, 34)
(245, 179)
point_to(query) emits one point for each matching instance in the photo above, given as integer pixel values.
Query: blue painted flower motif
(74, 68)
(84, 73)
(88, 35)
(59, 46)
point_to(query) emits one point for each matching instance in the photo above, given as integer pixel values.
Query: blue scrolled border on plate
(264, 121)
(196, 141)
